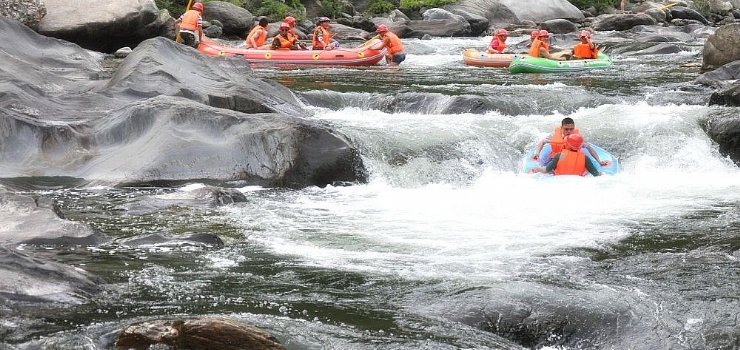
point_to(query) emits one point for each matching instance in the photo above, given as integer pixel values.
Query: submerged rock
(202, 334)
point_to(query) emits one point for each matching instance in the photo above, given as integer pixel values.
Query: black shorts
(188, 39)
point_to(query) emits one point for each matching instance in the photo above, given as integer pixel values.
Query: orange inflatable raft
(473, 57)
(359, 56)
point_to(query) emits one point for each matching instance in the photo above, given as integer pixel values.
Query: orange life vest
(571, 163)
(286, 43)
(394, 43)
(534, 50)
(325, 38)
(557, 142)
(497, 45)
(584, 51)
(190, 20)
(260, 38)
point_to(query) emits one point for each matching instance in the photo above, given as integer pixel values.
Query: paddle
(668, 6)
(177, 37)
(371, 39)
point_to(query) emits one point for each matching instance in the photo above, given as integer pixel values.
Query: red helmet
(534, 34)
(198, 7)
(584, 33)
(284, 25)
(382, 28)
(574, 141)
(544, 33)
(289, 20)
(502, 32)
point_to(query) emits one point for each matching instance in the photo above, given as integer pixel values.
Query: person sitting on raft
(541, 47)
(286, 39)
(586, 49)
(321, 37)
(257, 37)
(556, 140)
(570, 160)
(498, 42)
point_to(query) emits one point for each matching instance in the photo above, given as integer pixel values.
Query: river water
(448, 246)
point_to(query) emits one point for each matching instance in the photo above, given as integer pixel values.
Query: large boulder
(687, 13)
(726, 97)
(622, 21)
(722, 47)
(501, 13)
(98, 25)
(236, 20)
(168, 114)
(28, 12)
(723, 127)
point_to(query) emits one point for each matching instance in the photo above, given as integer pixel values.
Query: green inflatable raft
(526, 64)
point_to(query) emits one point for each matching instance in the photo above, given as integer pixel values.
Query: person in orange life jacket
(586, 49)
(570, 160)
(540, 46)
(498, 42)
(556, 141)
(391, 41)
(286, 39)
(257, 37)
(321, 37)
(191, 24)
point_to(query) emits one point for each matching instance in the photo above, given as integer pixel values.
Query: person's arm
(591, 167)
(536, 155)
(595, 155)
(256, 35)
(552, 164)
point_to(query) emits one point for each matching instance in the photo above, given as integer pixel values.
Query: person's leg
(623, 5)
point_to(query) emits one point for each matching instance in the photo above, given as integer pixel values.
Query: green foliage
(379, 7)
(276, 10)
(415, 5)
(598, 4)
(332, 8)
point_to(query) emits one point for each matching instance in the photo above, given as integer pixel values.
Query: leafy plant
(598, 4)
(276, 10)
(332, 8)
(415, 5)
(379, 7)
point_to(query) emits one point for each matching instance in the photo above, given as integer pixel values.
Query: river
(448, 245)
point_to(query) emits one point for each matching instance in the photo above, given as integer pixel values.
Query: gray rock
(722, 47)
(559, 26)
(28, 220)
(721, 77)
(687, 13)
(156, 119)
(26, 279)
(123, 52)
(236, 20)
(28, 12)
(478, 24)
(100, 26)
(622, 22)
(201, 239)
(726, 97)
(501, 13)
(723, 127)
